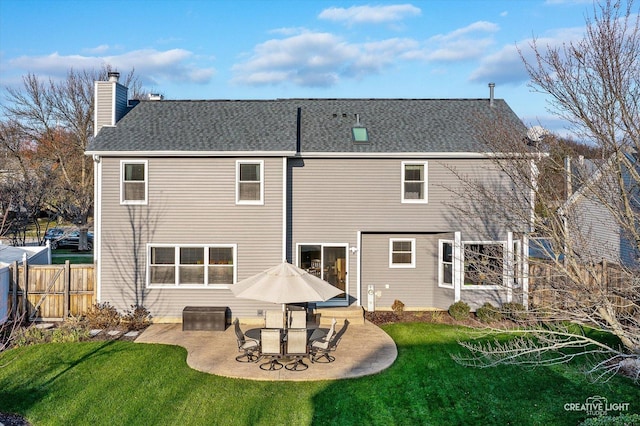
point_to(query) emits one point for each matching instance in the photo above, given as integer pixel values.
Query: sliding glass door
(328, 262)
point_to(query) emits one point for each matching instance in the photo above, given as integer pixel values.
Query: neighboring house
(193, 196)
(593, 231)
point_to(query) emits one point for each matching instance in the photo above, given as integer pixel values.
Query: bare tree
(586, 283)
(57, 116)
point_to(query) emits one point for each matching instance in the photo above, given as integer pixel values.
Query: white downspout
(97, 227)
(510, 266)
(458, 275)
(525, 271)
(285, 178)
(359, 269)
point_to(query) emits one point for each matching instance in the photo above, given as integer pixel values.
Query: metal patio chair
(320, 348)
(271, 347)
(249, 347)
(296, 348)
(333, 345)
(274, 319)
(298, 319)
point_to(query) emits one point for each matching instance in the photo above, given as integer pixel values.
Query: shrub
(102, 315)
(398, 306)
(514, 311)
(436, 316)
(137, 318)
(30, 335)
(621, 420)
(459, 311)
(70, 331)
(488, 313)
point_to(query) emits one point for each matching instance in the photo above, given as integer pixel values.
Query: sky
(251, 49)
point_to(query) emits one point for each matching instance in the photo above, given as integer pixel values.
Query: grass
(113, 382)
(74, 256)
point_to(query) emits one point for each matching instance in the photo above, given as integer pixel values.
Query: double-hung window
(133, 181)
(414, 182)
(402, 253)
(250, 182)
(191, 265)
(445, 273)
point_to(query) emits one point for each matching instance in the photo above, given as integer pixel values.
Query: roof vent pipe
(491, 87)
(113, 76)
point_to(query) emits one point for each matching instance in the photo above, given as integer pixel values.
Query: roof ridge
(315, 99)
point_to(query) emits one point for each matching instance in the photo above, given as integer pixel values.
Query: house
(193, 196)
(596, 229)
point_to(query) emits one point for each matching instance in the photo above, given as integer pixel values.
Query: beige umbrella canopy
(284, 284)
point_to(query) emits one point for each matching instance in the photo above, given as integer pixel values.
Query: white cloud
(370, 14)
(320, 59)
(506, 66)
(462, 44)
(314, 59)
(103, 48)
(151, 65)
(54, 65)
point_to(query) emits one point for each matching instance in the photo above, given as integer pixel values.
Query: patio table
(312, 333)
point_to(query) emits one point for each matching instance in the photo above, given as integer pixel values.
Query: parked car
(71, 240)
(53, 234)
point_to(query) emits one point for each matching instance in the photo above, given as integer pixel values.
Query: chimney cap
(113, 76)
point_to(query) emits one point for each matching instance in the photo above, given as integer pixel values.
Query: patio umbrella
(285, 283)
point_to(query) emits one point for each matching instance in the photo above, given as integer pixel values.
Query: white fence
(5, 275)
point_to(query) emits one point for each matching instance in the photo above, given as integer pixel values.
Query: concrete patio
(364, 350)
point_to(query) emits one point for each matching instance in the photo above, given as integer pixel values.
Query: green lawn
(74, 256)
(127, 383)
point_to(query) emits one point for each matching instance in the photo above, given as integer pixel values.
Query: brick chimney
(110, 102)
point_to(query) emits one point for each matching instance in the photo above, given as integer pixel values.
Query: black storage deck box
(205, 318)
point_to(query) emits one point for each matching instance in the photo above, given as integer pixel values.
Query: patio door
(328, 262)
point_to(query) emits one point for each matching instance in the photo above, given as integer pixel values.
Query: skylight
(360, 134)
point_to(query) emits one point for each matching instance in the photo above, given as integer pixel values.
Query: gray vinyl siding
(104, 104)
(415, 287)
(121, 102)
(599, 234)
(334, 199)
(191, 201)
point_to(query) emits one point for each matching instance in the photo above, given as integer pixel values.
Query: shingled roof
(393, 125)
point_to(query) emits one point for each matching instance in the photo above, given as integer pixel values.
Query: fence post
(14, 292)
(67, 289)
(25, 288)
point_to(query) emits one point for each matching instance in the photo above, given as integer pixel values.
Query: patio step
(355, 315)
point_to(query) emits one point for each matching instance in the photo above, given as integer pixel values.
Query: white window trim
(176, 265)
(413, 253)
(505, 280)
(259, 202)
(146, 183)
(424, 200)
(441, 282)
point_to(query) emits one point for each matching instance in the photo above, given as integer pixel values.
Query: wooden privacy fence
(51, 292)
(548, 288)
